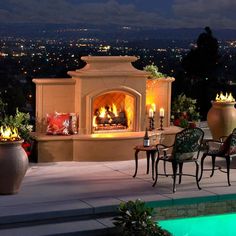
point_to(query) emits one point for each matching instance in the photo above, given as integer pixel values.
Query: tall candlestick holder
(151, 123)
(161, 123)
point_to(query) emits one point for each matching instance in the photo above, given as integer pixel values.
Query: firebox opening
(113, 111)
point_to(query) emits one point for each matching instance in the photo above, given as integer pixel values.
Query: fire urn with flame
(13, 161)
(221, 117)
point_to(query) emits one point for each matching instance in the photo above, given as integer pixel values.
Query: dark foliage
(201, 69)
(135, 219)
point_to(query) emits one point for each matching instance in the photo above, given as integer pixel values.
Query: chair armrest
(213, 145)
(163, 149)
(223, 138)
(213, 141)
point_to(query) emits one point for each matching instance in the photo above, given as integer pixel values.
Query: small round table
(150, 152)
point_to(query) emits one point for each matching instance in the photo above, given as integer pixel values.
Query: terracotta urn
(13, 166)
(221, 118)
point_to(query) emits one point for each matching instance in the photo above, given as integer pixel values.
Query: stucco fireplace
(110, 85)
(111, 98)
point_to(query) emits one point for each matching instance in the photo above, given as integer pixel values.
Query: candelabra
(151, 123)
(161, 123)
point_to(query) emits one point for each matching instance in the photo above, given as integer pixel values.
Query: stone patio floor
(57, 187)
(66, 187)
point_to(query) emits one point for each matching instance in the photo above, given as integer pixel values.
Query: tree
(201, 66)
(202, 61)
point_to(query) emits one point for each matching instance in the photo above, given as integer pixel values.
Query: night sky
(146, 13)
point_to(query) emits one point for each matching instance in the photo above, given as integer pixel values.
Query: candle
(154, 107)
(150, 112)
(162, 112)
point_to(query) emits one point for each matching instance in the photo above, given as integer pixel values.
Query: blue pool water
(216, 225)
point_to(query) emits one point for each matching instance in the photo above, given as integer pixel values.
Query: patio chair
(224, 148)
(185, 149)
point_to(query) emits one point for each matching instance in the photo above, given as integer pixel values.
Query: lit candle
(154, 107)
(150, 112)
(162, 112)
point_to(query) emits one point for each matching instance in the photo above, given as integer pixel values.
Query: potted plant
(21, 121)
(13, 158)
(135, 219)
(184, 111)
(154, 72)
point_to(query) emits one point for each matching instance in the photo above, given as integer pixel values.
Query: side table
(150, 152)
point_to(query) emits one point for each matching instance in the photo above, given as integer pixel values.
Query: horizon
(106, 32)
(109, 33)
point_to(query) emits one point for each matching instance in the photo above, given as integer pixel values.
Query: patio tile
(101, 205)
(100, 186)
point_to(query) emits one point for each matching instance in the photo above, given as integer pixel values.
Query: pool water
(216, 225)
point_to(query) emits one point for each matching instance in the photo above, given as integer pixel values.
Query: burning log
(107, 118)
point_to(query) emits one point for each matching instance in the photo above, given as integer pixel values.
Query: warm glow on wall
(153, 105)
(150, 92)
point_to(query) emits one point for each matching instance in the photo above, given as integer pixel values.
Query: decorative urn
(221, 117)
(13, 162)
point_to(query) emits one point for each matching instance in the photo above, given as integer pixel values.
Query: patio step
(81, 222)
(92, 227)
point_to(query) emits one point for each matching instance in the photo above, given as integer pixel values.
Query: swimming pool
(216, 225)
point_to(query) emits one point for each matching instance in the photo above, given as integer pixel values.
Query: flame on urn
(8, 133)
(224, 98)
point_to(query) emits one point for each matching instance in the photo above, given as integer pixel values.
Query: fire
(9, 134)
(114, 109)
(106, 111)
(109, 118)
(225, 98)
(102, 112)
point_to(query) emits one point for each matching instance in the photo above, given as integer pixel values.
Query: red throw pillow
(73, 126)
(58, 123)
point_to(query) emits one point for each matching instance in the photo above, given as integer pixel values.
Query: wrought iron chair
(186, 148)
(223, 148)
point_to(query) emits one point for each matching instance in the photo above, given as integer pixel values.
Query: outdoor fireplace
(111, 95)
(111, 99)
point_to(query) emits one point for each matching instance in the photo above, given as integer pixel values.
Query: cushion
(58, 123)
(73, 125)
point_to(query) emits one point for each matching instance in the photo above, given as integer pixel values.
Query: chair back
(229, 145)
(232, 146)
(187, 144)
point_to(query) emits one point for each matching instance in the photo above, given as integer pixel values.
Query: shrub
(183, 110)
(135, 219)
(155, 74)
(20, 120)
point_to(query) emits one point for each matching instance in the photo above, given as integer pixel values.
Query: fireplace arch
(127, 117)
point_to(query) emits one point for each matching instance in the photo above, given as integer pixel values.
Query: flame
(102, 112)
(114, 109)
(94, 121)
(9, 134)
(153, 105)
(224, 98)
